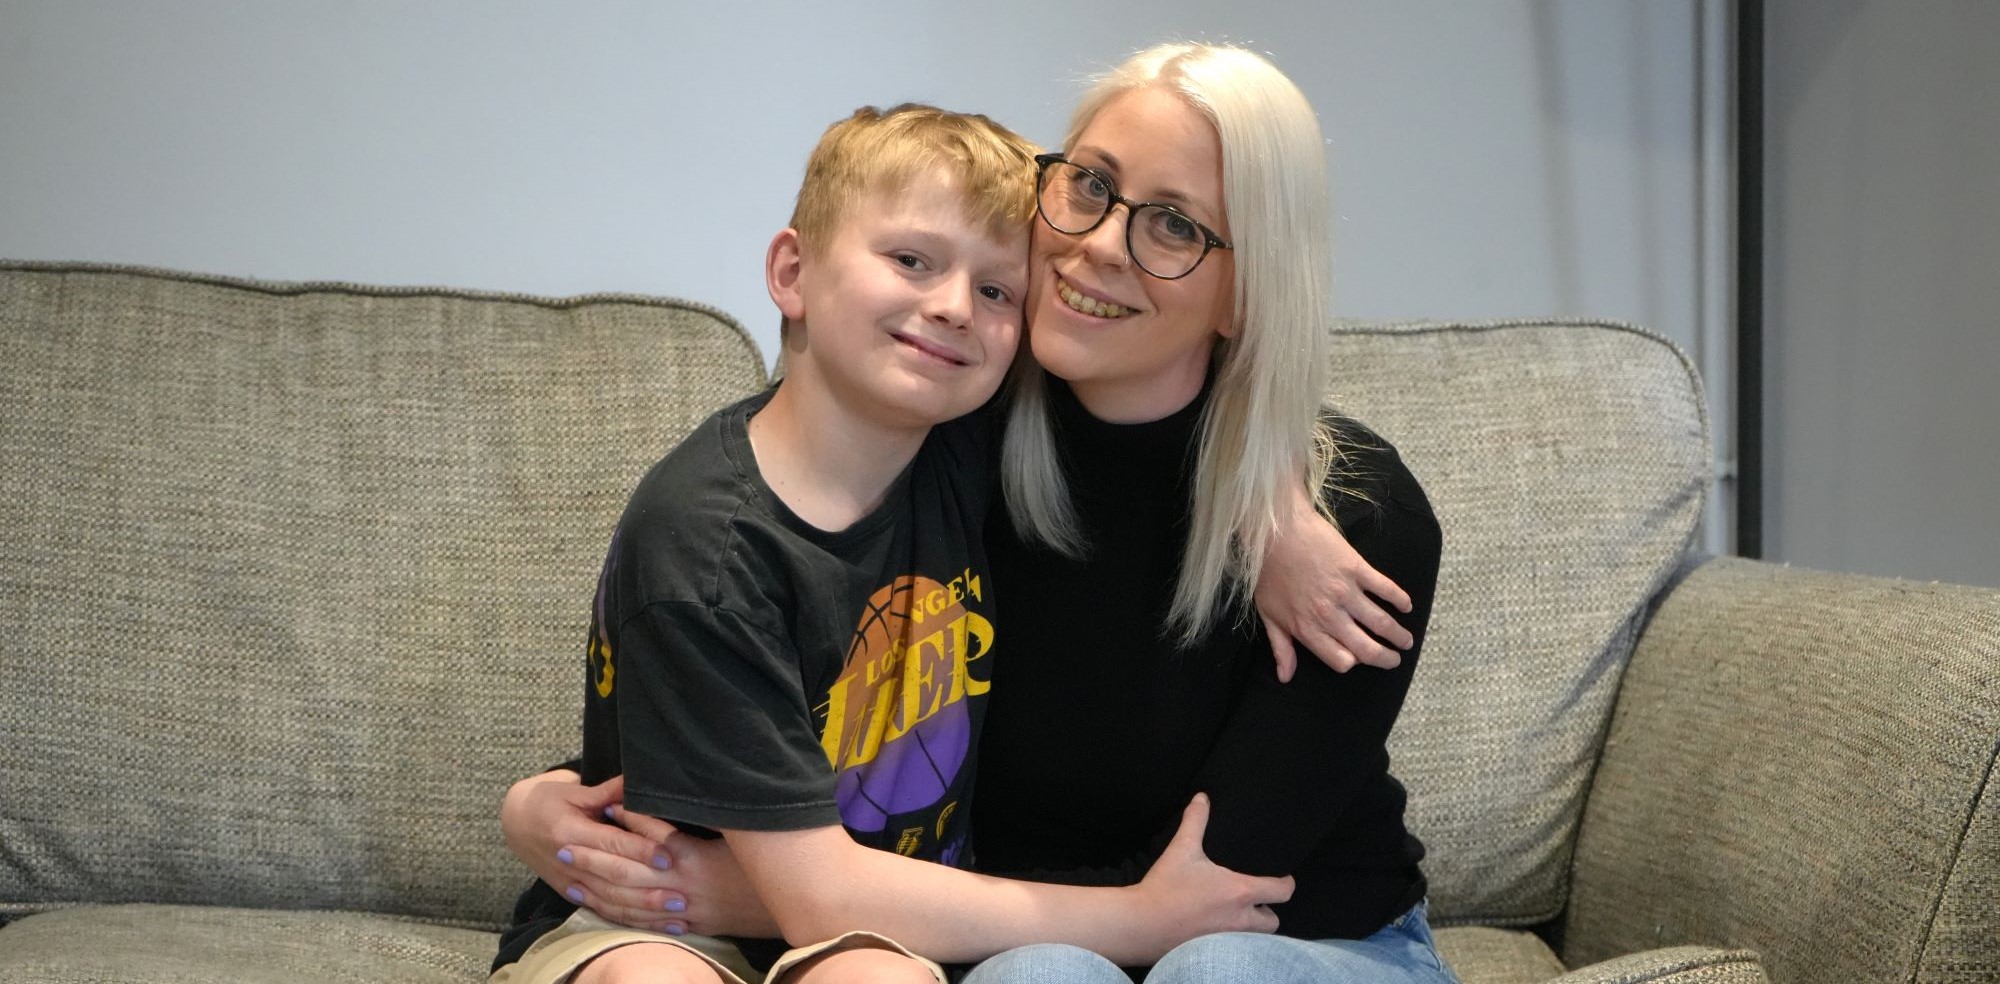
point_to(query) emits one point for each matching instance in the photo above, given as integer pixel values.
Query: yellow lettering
(922, 694)
(836, 720)
(968, 629)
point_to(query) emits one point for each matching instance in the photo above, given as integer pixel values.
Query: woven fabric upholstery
(1672, 965)
(1567, 464)
(296, 577)
(1964, 943)
(154, 944)
(1483, 955)
(1801, 763)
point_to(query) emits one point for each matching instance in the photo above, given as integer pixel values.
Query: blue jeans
(1399, 953)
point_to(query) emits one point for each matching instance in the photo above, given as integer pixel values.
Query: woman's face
(1149, 359)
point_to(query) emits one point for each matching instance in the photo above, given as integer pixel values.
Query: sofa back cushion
(1567, 463)
(296, 577)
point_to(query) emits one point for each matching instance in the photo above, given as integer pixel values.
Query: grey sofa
(293, 581)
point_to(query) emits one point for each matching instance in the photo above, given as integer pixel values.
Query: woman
(1180, 279)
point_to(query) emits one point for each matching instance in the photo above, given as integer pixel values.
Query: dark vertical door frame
(1750, 278)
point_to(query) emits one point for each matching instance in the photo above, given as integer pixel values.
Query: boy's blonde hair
(875, 150)
(1261, 431)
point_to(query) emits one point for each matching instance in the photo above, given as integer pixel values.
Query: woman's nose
(1106, 243)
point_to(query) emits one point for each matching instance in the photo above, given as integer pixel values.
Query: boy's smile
(913, 311)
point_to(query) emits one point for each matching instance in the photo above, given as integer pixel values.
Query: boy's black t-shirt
(748, 671)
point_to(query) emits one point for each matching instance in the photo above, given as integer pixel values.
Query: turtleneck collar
(1099, 455)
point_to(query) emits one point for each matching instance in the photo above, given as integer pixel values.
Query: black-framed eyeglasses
(1163, 240)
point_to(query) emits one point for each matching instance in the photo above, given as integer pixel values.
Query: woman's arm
(1294, 754)
(1314, 589)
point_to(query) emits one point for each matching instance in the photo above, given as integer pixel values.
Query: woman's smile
(1088, 302)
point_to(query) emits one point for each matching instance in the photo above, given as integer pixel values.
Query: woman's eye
(1178, 227)
(1090, 186)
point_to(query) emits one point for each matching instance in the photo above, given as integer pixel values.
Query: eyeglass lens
(1162, 241)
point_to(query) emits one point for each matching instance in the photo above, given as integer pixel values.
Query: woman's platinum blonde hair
(1261, 431)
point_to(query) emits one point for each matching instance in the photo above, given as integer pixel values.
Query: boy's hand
(1314, 589)
(556, 826)
(1193, 896)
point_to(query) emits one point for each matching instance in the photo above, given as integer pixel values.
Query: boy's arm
(819, 883)
(623, 878)
(715, 728)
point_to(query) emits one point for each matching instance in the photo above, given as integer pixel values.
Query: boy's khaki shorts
(586, 936)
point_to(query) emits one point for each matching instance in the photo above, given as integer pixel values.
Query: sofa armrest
(1801, 763)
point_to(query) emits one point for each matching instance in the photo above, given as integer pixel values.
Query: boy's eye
(994, 292)
(910, 261)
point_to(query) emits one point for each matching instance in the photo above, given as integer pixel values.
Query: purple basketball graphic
(897, 727)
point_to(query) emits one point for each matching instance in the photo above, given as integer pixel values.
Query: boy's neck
(829, 465)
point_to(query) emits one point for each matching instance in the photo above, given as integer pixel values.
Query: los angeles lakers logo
(897, 728)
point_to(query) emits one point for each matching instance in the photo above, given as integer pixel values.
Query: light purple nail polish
(676, 929)
(564, 856)
(677, 905)
(611, 812)
(575, 894)
(662, 862)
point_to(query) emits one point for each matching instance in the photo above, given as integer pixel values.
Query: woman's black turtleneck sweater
(1099, 729)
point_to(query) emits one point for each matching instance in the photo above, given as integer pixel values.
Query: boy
(792, 632)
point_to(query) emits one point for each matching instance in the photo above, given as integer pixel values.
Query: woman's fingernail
(676, 929)
(611, 812)
(575, 894)
(677, 905)
(564, 856)
(662, 862)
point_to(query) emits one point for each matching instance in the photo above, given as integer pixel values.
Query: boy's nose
(950, 302)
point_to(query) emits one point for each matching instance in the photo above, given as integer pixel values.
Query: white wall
(1492, 157)
(1883, 287)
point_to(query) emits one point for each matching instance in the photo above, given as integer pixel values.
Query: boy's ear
(783, 263)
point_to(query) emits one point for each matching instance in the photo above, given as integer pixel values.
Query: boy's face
(912, 313)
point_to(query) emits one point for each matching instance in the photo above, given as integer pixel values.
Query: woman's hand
(635, 870)
(1314, 590)
(1193, 896)
(556, 826)
(705, 874)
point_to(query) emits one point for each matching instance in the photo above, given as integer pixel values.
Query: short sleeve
(714, 725)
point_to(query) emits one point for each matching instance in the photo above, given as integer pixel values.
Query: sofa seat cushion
(1484, 955)
(176, 944)
(172, 944)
